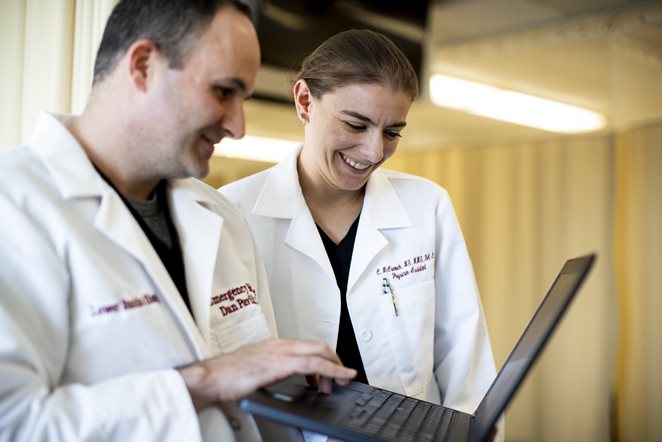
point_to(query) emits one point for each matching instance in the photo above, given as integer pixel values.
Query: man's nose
(234, 120)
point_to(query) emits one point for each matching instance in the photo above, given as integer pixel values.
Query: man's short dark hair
(174, 25)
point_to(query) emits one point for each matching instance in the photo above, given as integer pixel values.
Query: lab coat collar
(75, 177)
(382, 210)
(382, 204)
(64, 158)
(281, 196)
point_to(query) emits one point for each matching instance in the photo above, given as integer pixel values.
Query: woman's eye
(356, 127)
(392, 135)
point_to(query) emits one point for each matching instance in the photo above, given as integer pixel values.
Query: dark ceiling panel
(291, 29)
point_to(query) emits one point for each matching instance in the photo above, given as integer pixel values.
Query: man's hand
(231, 376)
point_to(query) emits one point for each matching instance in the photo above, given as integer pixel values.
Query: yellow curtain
(638, 256)
(48, 49)
(12, 24)
(524, 209)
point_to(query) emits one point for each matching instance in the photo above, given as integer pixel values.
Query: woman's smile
(354, 164)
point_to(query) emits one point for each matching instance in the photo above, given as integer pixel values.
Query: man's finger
(325, 385)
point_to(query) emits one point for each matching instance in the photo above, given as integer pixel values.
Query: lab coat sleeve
(463, 364)
(34, 333)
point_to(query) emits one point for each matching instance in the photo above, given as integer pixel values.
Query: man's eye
(392, 135)
(223, 92)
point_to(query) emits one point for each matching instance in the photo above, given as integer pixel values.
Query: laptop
(361, 413)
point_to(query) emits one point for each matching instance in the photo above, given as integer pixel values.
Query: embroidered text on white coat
(124, 304)
(235, 299)
(408, 266)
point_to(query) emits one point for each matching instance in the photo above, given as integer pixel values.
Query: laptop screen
(532, 340)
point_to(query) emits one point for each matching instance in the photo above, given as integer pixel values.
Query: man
(133, 305)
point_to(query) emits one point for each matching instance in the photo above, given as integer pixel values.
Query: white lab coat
(91, 324)
(437, 348)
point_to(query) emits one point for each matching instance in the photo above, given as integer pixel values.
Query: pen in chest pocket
(389, 291)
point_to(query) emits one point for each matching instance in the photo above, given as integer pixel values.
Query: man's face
(192, 109)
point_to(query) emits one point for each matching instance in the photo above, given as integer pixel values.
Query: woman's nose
(374, 148)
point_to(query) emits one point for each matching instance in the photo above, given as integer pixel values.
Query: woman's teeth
(354, 164)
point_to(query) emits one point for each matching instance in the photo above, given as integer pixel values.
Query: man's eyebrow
(368, 120)
(235, 83)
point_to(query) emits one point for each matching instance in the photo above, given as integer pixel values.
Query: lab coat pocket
(410, 333)
(227, 335)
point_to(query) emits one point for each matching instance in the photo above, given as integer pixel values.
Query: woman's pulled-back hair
(357, 57)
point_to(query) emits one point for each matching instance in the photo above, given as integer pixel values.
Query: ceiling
(605, 55)
(291, 29)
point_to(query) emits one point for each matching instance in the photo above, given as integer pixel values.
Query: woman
(371, 261)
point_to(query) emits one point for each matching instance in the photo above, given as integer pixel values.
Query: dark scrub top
(340, 256)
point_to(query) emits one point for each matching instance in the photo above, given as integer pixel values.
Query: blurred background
(531, 186)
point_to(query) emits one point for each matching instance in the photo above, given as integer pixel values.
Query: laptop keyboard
(391, 416)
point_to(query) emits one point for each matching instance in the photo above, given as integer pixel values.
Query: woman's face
(350, 132)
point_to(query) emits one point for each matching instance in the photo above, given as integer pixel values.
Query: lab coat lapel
(118, 224)
(304, 237)
(281, 197)
(382, 209)
(199, 245)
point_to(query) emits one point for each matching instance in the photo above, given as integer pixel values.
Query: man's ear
(143, 58)
(302, 100)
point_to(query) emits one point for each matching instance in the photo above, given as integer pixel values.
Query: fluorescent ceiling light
(513, 107)
(256, 148)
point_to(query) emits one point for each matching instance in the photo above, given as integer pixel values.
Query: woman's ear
(302, 99)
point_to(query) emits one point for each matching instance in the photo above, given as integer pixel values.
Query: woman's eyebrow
(368, 120)
(357, 116)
